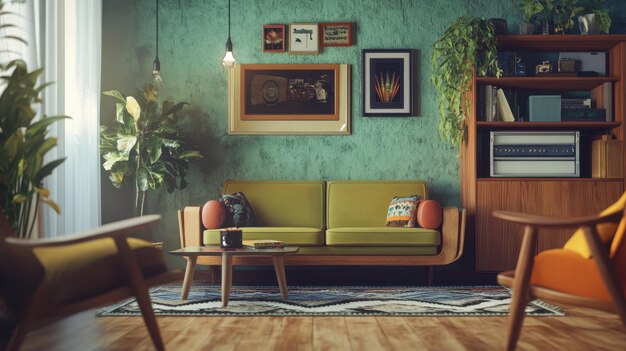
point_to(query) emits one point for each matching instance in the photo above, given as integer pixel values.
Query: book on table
(264, 244)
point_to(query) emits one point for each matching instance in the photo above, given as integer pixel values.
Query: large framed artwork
(289, 99)
(387, 79)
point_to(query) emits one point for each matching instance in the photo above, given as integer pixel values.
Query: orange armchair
(595, 276)
(43, 280)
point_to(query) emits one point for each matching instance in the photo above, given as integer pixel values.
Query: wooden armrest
(541, 221)
(112, 230)
(452, 233)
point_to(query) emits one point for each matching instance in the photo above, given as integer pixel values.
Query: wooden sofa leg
(214, 274)
(429, 275)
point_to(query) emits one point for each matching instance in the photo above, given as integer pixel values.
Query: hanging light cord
(157, 30)
(228, 19)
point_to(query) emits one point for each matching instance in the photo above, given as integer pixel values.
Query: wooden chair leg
(140, 290)
(429, 275)
(521, 286)
(214, 274)
(601, 256)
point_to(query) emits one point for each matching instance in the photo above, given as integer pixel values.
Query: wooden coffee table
(192, 253)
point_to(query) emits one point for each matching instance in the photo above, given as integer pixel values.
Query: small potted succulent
(531, 8)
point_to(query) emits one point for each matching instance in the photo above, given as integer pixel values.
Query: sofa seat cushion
(382, 236)
(301, 236)
(87, 269)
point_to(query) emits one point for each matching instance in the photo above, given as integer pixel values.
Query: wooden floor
(581, 329)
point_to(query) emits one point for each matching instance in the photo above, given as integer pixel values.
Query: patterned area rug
(333, 301)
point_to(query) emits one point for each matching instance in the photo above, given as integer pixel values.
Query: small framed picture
(387, 78)
(274, 38)
(336, 34)
(304, 38)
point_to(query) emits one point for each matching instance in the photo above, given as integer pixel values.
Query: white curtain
(64, 37)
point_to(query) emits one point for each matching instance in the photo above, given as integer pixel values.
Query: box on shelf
(606, 158)
(544, 108)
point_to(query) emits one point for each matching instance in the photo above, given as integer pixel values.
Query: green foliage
(531, 9)
(24, 142)
(145, 145)
(467, 46)
(564, 13)
(603, 20)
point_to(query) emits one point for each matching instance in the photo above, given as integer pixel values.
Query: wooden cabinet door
(498, 242)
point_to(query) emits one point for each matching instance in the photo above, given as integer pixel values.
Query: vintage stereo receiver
(534, 154)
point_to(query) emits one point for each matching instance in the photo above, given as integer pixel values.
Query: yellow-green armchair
(43, 280)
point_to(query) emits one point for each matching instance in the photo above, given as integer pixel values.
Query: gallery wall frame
(304, 38)
(273, 38)
(336, 34)
(387, 79)
(270, 99)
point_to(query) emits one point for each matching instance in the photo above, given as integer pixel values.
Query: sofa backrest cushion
(283, 203)
(365, 203)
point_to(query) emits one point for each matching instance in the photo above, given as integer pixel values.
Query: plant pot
(546, 27)
(526, 28)
(588, 24)
(499, 26)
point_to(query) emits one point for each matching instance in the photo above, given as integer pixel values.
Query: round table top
(245, 251)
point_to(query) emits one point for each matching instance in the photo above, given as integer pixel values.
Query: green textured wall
(192, 36)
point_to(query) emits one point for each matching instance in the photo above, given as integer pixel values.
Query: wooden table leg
(189, 272)
(227, 277)
(279, 267)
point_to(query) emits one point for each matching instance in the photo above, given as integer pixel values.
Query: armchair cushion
(607, 232)
(569, 272)
(71, 269)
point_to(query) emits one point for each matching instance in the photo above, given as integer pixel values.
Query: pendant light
(157, 80)
(229, 60)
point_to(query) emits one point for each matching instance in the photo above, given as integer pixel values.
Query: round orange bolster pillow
(429, 214)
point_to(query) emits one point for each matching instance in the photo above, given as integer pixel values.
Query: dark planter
(499, 26)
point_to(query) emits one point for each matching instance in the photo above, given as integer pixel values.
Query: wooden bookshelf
(497, 243)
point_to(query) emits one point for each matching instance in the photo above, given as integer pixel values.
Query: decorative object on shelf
(531, 9)
(157, 79)
(229, 59)
(595, 18)
(336, 34)
(544, 67)
(387, 78)
(274, 38)
(289, 99)
(145, 146)
(304, 38)
(564, 13)
(499, 26)
(468, 46)
(566, 65)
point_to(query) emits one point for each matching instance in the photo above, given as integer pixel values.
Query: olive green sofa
(334, 223)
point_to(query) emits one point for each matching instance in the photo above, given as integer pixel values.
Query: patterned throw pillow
(238, 211)
(401, 212)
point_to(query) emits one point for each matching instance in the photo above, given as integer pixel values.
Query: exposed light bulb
(157, 79)
(229, 60)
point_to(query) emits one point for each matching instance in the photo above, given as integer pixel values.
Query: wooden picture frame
(304, 38)
(288, 99)
(387, 82)
(336, 34)
(273, 38)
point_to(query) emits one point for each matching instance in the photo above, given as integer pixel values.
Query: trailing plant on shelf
(24, 142)
(564, 13)
(468, 46)
(145, 145)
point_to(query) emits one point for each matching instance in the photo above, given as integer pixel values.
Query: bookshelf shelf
(547, 83)
(497, 243)
(590, 126)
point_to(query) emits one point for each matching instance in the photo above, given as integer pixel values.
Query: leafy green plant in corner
(468, 46)
(531, 9)
(564, 13)
(24, 142)
(603, 20)
(145, 144)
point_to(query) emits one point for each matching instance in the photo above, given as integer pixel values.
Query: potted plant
(23, 144)
(145, 144)
(468, 46)
(595, 18)
(531, 9)
(564, 13)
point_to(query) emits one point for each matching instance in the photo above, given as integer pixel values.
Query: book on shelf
(583, 114)
(503, 106)
(264, 244)
(576, 103)
(489, 107)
